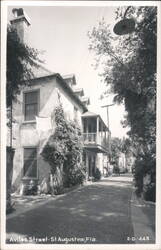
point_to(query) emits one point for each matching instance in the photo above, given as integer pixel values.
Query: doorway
(91, 164)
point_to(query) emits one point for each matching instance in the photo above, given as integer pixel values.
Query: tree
(129, 71)
(126, 145)
(116, 150)
(119, 146)
(20, 62)
(116, 146)
(127, 149)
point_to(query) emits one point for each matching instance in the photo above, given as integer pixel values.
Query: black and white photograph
(80, 105)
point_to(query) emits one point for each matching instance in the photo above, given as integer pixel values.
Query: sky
(61, 32)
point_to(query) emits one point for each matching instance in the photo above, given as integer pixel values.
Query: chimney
(20, 22)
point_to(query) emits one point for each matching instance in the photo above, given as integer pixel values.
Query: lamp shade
(124, 26)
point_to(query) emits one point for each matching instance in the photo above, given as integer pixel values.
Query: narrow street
(105, 212)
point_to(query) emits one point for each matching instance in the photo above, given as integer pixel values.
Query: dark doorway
(91, 164)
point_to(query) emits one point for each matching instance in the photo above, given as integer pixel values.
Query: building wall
(102, 163)
(122, 161)
(25, 133)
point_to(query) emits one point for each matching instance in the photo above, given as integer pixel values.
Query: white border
(78, 3)
(158, 132)
(4, 5)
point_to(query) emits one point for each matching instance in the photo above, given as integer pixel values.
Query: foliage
(116, 147)
(74, 177)
(145, 164)
(31, 189)
(150, 192)
(126, 146)
(128, 66)
(97, 174)
(119, 146)
(64, 149)
(20, 60)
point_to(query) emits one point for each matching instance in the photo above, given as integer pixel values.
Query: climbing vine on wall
(64, 150)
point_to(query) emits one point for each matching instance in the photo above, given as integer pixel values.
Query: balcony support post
(105, 137)
(87, 125)
(97, 137)
(87, 167)
(101, 132)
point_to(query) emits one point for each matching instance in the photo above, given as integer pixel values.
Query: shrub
(145, 164)
(9, 207)
(31, 189)
(75, 177)
(149, 192)
(57, 189)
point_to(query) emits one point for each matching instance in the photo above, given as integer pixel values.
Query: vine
(63, 151)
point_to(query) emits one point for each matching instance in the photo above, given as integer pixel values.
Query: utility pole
(106, 106)
(108, 125)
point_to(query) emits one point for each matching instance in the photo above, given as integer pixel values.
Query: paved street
(104, 211)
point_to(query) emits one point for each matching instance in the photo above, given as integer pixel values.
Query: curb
(141, 200)
(143, 233)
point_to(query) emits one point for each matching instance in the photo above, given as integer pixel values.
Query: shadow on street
(100, 210)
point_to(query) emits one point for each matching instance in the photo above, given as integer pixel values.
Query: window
(30, 163)
(30, 105)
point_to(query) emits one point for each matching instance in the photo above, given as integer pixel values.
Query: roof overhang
(85, 100)
(79, 91)
(95, 116)
(70, 76)
(64, 85)
(95, 148)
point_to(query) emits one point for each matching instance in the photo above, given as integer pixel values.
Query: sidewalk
(142, 214)
(143, 219)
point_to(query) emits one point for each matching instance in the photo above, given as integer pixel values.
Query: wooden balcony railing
(94, 138)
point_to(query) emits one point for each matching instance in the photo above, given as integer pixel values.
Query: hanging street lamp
(125, 26)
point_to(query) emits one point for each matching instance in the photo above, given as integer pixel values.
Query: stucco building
(34, 122)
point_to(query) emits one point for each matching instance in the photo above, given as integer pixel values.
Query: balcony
(94, 138)
(95, 141)
(95, 133)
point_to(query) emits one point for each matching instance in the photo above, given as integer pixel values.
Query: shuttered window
(30, 162)
(30, 105)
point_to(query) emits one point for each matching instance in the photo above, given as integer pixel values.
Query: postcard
(80, 125)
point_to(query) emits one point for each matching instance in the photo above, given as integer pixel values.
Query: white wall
(25, 133)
